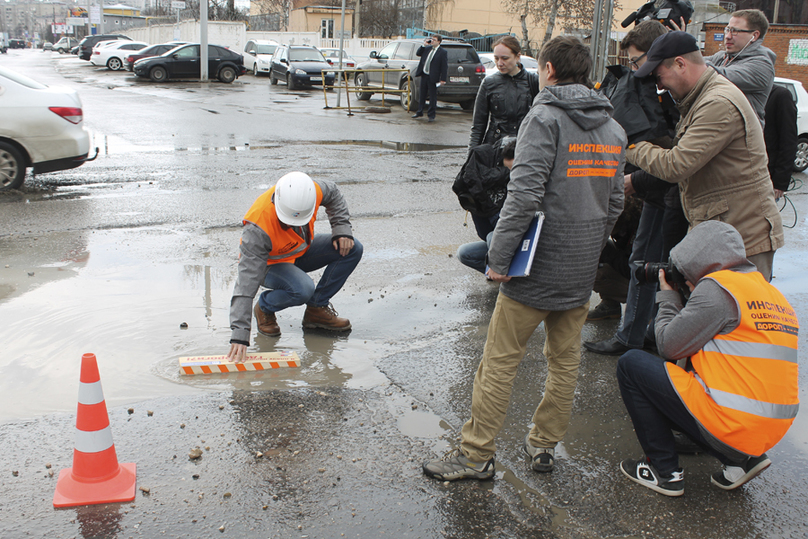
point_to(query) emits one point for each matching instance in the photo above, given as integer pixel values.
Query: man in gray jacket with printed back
(569, 165)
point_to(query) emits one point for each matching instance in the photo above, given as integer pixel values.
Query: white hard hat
(295, 199)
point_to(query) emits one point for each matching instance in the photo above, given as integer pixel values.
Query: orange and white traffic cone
(96, 477)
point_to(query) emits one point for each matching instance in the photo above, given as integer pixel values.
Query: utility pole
(601, 34)
(341, 44)
(203, 40)
(357, 17)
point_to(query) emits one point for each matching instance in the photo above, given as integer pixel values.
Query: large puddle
(123, 296)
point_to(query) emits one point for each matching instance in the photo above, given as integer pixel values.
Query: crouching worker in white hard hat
(278, 249)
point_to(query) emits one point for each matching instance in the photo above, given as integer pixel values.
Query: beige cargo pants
(512, 324)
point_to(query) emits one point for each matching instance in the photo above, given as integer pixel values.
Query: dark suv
(466, 72)
(87, 44)
(300, 65)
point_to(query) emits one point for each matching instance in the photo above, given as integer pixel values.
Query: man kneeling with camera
(737, 394)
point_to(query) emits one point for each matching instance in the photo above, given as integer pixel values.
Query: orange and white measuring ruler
(259, 361)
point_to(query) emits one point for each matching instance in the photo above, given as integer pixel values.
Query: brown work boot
(326, 318)
(267, 323)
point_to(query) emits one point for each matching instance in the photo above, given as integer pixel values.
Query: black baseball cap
(666, 46)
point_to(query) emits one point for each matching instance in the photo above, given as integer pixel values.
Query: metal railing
(343, 84)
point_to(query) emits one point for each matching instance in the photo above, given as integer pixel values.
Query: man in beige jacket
(719, 155)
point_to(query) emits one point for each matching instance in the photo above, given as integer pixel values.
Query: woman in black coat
(504, 98)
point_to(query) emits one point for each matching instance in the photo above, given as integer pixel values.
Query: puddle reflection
(112, 145)
(99, 521)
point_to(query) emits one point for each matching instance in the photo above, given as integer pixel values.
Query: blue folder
(523, 258)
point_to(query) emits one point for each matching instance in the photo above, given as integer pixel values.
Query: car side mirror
(372, 54)
(284, 61)
(175, 55)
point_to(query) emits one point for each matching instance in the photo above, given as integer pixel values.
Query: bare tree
(433, 11)
(272, 12)
(388, 18)
(571, 15)
(218, 10)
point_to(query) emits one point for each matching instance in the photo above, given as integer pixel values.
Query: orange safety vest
(744, 389)
(287, 245)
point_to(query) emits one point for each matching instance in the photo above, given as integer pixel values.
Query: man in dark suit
(780, 134)
(433, 69)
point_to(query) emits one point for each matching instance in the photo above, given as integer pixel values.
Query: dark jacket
(502, 103)
(639, 109)
(482, 183)
(645, 115)
(439, 70)
(780, 133)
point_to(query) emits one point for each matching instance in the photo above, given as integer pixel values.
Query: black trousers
(429, 89)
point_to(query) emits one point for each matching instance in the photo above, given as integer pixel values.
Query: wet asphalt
(112, 257)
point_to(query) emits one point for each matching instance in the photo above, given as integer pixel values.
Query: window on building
(327, 28)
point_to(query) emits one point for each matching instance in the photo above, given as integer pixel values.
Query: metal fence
(483, 43)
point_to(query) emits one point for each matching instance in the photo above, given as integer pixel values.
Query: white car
(800, 97)
(332, 57)
(113, 53)
(487, 58)
(257, 55)
(42, 128)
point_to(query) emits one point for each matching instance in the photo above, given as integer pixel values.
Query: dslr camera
(648, 272)
(663, 11)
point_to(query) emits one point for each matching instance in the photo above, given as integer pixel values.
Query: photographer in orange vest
(279, 248)
(737, 394)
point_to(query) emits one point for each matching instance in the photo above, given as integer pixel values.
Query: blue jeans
(641, 298)
(289, 285)
(655, 408)
(473, 254)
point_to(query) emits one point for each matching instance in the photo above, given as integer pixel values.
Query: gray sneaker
(543, 458)
(454, 465)
(732, 477)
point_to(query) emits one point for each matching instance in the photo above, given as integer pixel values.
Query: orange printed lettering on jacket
(595, 148)
(583, 172)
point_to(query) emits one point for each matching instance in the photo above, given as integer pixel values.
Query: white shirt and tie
(429, 59)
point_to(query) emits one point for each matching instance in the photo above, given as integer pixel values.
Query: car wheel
(273, 80)
(227, 74)
(412, 103)
(801, 162)
(468, 104)
(158, 74)
(290, 82)
(255, 70)
(361, 80)
(114, 64)
(12, 167)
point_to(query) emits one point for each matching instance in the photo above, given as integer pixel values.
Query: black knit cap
(666, 46)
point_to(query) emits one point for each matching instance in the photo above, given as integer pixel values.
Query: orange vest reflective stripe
(287, 245)
(744, 389)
